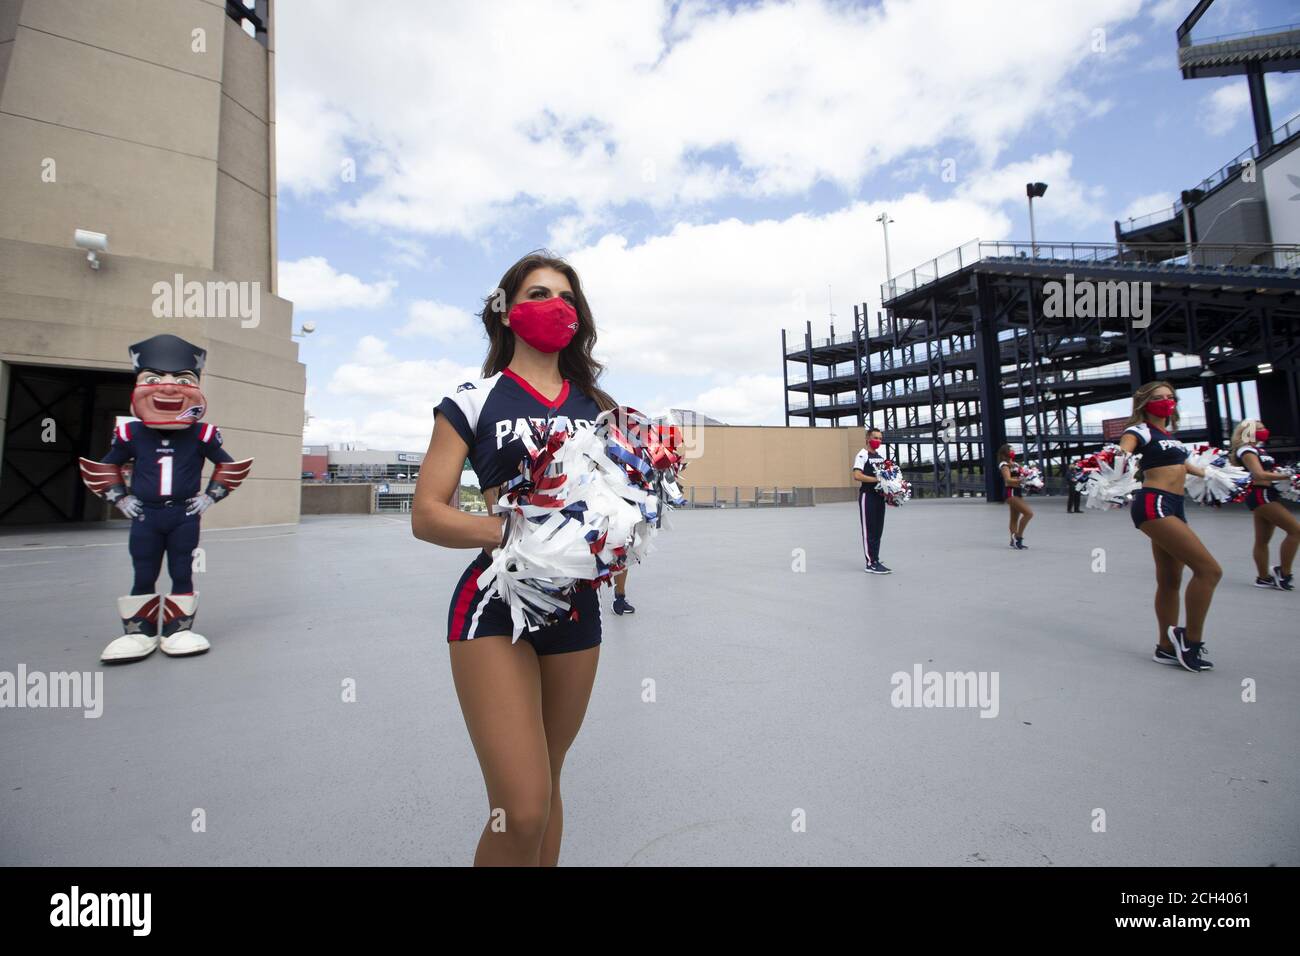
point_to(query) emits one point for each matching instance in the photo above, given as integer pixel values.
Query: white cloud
(390, 400)
(457, 137)
(1225, 108)
(712, 299)
(438, 321)
(744, 400)
(1152, 202)
(312, 284)
(1066, 200)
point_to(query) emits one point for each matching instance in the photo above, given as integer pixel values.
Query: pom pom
(892, 486)
(1031, 479)
(1104, 485)
(1222, 482)
(1290, 490)
(588, 500)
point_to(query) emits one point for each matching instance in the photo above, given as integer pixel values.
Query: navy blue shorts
(1257, 496)
(1152, 503)
(470, 616)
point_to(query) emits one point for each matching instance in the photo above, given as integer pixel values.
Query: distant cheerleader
(1157, 511)
(1268, 485)
(1018, 508)
(871, 506)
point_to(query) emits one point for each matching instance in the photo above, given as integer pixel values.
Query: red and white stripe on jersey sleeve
(208, 433)
(123, 432)
(99, 477)
(232, 473)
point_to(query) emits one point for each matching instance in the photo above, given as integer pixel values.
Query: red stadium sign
(1112, 428)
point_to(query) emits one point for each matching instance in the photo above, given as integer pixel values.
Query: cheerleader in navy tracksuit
(1157, 511)
(871, 505)
(1265, 505)
(1018, 507)
(523, 701)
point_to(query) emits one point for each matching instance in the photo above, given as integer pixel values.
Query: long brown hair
(576, 361)
(1140, 399)
(1004, 454)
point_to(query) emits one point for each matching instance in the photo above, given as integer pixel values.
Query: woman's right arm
(861, 476)
(433, 518)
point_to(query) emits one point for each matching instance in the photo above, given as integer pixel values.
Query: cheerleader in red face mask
(1019, 508)
(1157, 511)
(523, 702)
(1265, 505)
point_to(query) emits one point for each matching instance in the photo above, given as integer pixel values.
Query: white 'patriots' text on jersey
(489, 414)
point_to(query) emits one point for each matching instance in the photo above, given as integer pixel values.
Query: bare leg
(500, 690)
(1181, 541)
(1169, 585)
(1263, 532)
(1276, 514)
(566, 688)
(1026, 514)
(620, 582)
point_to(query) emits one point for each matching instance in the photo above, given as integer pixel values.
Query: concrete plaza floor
(772, 696)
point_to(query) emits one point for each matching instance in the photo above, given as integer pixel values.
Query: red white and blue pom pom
(1031, 479)
(1222, 483)
(588, 500)
(1103, 485)
(1290, 490)
(891, 484)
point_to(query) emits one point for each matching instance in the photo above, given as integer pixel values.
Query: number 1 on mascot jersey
(165, 448)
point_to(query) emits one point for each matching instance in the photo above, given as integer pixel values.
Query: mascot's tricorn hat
(167, 353)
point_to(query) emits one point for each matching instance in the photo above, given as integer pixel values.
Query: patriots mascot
(167, 446)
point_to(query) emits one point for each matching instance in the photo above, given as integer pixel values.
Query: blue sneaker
(621, 606)
(1188, 654)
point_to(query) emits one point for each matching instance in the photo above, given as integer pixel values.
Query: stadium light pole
(884, 221)
(1033, 190)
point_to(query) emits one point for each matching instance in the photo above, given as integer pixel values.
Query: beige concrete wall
(745, 456)
(167, 150)
(338, 499)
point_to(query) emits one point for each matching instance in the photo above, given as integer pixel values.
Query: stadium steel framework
(974, 330)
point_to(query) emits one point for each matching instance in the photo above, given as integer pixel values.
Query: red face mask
(1011, 456)
(1162, 407)
(874, 443)
(1261, 435)
(548, 325)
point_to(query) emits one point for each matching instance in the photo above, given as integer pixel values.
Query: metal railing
(748, 496)
(1282, 260)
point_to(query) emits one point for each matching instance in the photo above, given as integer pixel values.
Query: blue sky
(710, 169)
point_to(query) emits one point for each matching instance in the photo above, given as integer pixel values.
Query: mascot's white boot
(178, 617)
(139, 613)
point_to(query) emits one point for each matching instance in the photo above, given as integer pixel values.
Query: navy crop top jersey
(1157, 447)
(491, 413)
(1266, 461)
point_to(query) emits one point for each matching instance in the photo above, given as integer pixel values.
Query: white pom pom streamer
(1108, 486)
(1290, 490)
(587, 501)
(1222, 482)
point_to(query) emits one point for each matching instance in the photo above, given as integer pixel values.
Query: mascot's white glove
(129, 505)
(200, 503)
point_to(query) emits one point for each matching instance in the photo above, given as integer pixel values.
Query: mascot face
(168, 401)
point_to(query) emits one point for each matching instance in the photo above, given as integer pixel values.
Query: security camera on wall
(93, 242)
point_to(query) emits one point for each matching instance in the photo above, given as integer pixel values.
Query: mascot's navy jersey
(168, 464)
(490, 413)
